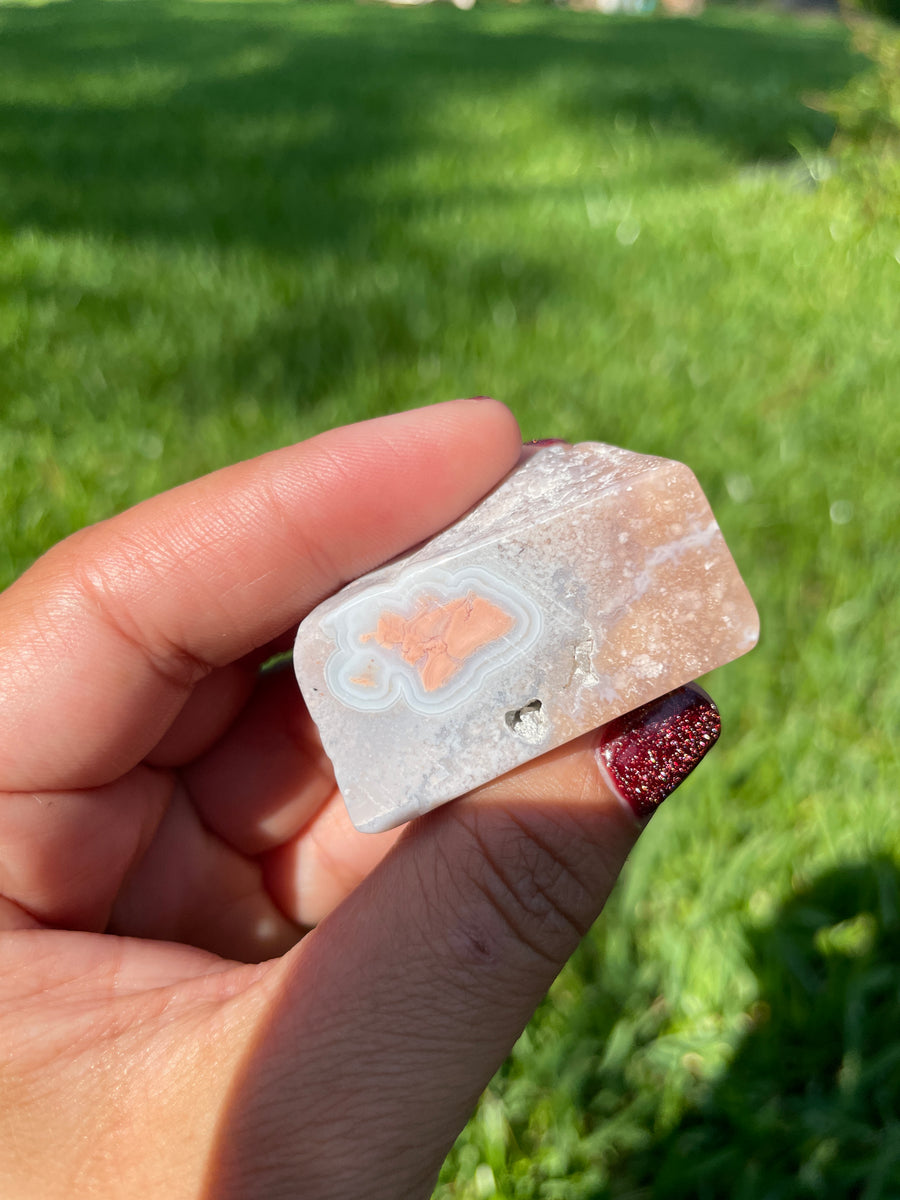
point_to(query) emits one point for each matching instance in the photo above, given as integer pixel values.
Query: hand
(169, 820)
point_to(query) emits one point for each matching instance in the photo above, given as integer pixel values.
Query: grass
(224, 226)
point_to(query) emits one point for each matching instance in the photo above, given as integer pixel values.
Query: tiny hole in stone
(528, 722)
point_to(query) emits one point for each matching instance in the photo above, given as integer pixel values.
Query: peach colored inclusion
(438, 638)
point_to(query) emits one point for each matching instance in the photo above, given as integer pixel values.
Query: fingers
(310, 875)
(260, 786)
(268, 790)
(416, 987)
(66, 854)
(190, 887)
(103, 639)
(134, 858)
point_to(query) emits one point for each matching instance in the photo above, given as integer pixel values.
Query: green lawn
(224, 226)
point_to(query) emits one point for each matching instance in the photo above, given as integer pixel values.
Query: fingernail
(647, 753)
(529, 449)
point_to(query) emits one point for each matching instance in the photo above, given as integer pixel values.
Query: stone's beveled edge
(455, 537)
(752, 631)
(544, 464)
(390, 820)
(750, 639)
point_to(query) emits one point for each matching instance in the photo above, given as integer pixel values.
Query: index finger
(103, 638)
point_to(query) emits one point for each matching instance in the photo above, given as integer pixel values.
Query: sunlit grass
(226, 226)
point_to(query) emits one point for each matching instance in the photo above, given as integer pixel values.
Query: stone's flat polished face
(591, 581)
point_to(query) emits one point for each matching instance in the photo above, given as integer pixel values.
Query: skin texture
(169, 829)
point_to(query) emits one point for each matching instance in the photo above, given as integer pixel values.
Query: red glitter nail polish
(647, 753)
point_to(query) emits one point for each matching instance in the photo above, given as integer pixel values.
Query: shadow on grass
(811, 1103)
(305, 131)
(809, 1106)
(316, 166)
(261, 123)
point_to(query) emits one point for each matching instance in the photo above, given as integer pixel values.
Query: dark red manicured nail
(647, 753)
(548, 442)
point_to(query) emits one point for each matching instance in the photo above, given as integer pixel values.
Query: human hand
(169, 820)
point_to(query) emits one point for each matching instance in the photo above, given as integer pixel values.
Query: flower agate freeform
(591, 580)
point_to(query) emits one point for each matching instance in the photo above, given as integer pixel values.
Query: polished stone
(591, 580)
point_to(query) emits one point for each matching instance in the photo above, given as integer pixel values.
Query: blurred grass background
(225, 226)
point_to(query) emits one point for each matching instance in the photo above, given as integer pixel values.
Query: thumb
(388, 1021)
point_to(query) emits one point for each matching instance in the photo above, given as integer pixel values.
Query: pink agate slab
(591, 580)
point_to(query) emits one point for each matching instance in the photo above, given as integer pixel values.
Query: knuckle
(533, 896)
